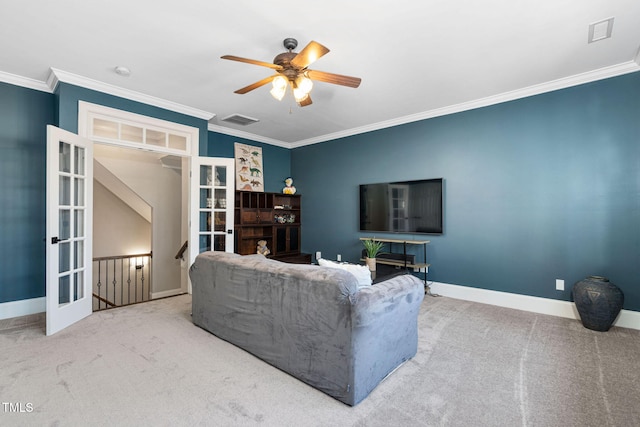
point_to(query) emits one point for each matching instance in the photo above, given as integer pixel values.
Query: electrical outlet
(339, 257)
(559, 285)
(318, 255)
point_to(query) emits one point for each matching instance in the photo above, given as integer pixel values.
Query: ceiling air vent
(600, 30)
(239, 119)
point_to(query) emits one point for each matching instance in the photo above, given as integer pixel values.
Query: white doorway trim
(110, 126)
(125, 129)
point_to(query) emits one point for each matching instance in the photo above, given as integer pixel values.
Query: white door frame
(88, 112)
(89, 115)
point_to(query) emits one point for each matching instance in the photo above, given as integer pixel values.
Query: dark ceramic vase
(598, 302)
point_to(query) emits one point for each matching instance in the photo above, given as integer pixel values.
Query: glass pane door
(212, 207)
(69, 200)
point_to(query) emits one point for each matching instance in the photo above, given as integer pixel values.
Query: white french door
(69, 228)
(212, 206)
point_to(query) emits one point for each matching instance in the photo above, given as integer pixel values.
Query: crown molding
(247, 135)
(56, 76)
(578, 79)
(24, 82)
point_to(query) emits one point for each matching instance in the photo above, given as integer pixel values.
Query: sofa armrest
(385, 330)
(382, 299)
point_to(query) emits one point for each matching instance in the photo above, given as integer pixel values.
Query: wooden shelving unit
(273, 217)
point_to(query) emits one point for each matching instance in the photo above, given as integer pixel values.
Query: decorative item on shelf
(289, 188)
(284, 218)
(373, 248)
(262, 248)
(598, 302)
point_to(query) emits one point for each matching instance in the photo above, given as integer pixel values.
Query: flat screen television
(412, 207)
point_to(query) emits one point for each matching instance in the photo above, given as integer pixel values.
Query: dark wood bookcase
(273, 217)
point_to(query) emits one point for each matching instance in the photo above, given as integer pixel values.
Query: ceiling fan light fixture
(279, 82)
(299, 94)
(305, 84)
(278, 93)
(292, 70)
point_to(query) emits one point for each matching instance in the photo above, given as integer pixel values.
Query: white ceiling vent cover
(600, 30)
(239, 119)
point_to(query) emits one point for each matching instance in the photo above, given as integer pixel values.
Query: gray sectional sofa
(312, 322)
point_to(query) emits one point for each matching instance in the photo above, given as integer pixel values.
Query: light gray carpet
(477, 365)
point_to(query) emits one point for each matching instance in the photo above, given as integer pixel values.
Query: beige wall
(117, 229)
(160, 187)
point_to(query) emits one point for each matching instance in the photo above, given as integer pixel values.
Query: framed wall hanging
(249, 167)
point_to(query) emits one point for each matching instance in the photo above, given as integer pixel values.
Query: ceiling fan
(291, 70)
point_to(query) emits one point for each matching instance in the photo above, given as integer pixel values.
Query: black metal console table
(404, 262)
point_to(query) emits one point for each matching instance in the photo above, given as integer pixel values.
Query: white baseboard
(26, 307)
(169, 293)
(626, 319)
(23, 307)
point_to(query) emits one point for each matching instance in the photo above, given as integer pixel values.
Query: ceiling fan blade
(255, 85)
(309, 54)
(252, 61)
(305, 102)
(336, 79)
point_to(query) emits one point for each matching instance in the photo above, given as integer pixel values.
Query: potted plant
(373, 248)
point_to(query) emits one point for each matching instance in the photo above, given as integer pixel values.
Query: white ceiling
(417, 59)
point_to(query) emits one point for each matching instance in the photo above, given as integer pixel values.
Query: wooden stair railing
(104, 300)
(180, 254)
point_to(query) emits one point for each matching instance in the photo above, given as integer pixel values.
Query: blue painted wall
(538, 189)
(24, 114)
(277, 160)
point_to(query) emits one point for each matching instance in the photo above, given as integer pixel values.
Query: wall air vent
(239, 119)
